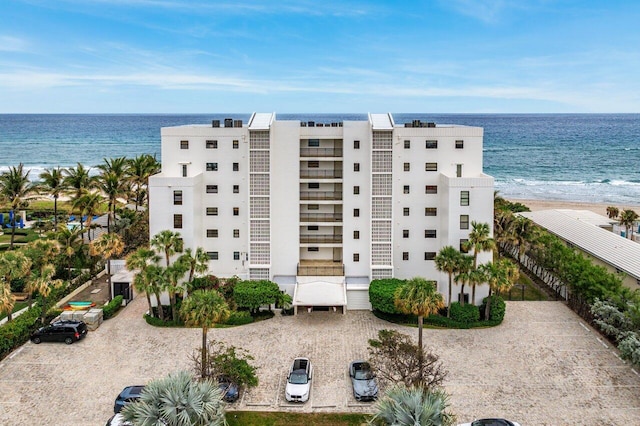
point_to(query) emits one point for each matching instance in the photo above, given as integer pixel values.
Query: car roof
(132, 390)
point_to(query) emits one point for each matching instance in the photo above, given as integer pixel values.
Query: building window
(184, 144)
(236, 189)
(313, 249)
(464, 221)
(177, 198)
(212, 189)
(313, 207)
(429, 255)
(463, 245)
(236, 255)
(312, 228)
(405, 233)
(356, 190)
(213, 255)
(236, 211)
(356, 144)
(431, 167)
(431, 211)
(459, 144)
(458, 170)
(407, 144)
(211, 144)
(313, 164)
(405, 255)
(464, 198)
(431, 189)
(236, 167)
(356, 212)
(236, 233)
(212, 211)
(184, 170)
(431, 144)
(314, 143)
(356, 167)
(405, 189)
(430, 233)
(356, 235)
(236, 144)
(405, 211)
(177, 221)
(356, 257)
(407, 167)
(212, 167)
(313, 185)
(212, 233)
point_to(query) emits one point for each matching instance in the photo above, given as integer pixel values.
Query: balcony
(320, 152)
(320, 174)
(320, 238)
(320, 195)
(320, 217)
(320, 268)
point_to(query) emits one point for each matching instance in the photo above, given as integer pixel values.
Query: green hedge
(434, 321)
(382, 295)
(112, 307)
(239, 318)
(157, 322)
(18, 331)
(498, 308)
(253, 294)
(465, 313)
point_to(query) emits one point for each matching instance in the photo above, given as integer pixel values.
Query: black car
(60, 331)
(128, 394)
(230, 391)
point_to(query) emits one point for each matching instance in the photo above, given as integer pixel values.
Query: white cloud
(12, 44)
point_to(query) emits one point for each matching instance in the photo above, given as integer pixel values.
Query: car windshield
(363, 375)
(297, 378)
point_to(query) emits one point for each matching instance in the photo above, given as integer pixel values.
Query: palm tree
(89, 204)
(173, 274)
(7, 299)
(628, 219)
(198, 263)
(16, 189)
(43, 282)
(204, 308)
(14, 265)
(107, 245)
(78, 180)
(421, 298)
(141, 260)
(465, 266)
(70, 242)
(139, 169)
(524, 235)
(41, 254)
(53, 184)
(612, 212)
(447, 261)
(501, 276)
(112, 187)
(169, 243)
(178, 400)
(479, 241)
(154, 276)
(117, 166)
(402, 406)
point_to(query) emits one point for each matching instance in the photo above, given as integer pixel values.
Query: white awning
(320, 293)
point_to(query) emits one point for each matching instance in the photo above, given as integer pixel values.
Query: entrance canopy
(320, 291)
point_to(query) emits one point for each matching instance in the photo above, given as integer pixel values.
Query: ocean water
(573, 157)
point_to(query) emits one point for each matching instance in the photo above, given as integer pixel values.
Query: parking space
(542, 366)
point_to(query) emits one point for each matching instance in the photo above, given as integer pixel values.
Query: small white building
(343, 203)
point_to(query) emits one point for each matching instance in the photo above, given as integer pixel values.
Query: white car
(299, 381)
(490, 422)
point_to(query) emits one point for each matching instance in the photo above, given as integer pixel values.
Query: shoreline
(599, 208)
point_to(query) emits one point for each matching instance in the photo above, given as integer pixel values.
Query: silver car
(365, 386)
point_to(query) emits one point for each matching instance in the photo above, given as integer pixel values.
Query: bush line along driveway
(542, 366)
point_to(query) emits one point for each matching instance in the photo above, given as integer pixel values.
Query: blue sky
(297, 56)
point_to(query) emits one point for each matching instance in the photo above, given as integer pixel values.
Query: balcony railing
(321, 195)
(320, 238)
(318, 174)
(320, 152)
(321, 270)
(320, 217)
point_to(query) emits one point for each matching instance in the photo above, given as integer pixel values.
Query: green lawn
(16, 308)
(259, 418)
(22, 236)
(531, 291)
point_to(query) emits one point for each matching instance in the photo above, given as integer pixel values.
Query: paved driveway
(542, 366)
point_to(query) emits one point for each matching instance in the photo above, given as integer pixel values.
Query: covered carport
(330, 292)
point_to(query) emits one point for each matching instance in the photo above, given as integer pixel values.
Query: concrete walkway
(542, 366)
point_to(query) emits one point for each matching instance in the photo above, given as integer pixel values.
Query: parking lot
(542, 366)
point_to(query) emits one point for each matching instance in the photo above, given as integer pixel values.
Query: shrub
(239, 318)
(157, 322)
(112, 307)
(382, 295)
(465, 313)
(498, 308)
(18, 331)
(253, 294)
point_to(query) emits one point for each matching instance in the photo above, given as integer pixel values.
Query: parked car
(128, 394)
(60, 331)
(363, 381)
(230, 391)
(299, 381)
(490, 422)
(118, 420)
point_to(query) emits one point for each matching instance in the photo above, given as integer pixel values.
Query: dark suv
(61, 331)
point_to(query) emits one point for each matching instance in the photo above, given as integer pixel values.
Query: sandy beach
(601, 209)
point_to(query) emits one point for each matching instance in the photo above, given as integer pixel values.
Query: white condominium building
(322, 208)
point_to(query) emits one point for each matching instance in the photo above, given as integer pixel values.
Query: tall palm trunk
(172, 302)
(420, 357)
(462, 295)
(55, 211)
(203, 372)
(109, 279)
(473, 294)
(13, 233)
(159, 307)
(450, 295)
(487, 309)
(149, 302)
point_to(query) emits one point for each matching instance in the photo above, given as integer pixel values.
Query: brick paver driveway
(542, 366)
